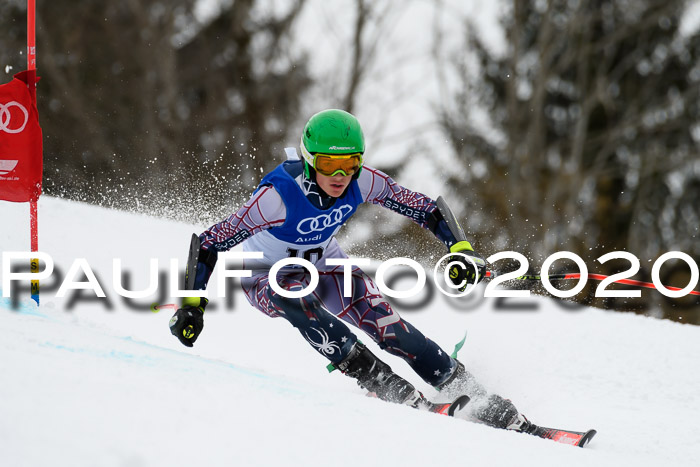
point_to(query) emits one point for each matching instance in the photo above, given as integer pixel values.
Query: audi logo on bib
(13, 122)
(324, 221)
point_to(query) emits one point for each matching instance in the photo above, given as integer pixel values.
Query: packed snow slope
(98, 383)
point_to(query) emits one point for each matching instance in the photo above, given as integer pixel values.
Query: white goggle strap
(306, 154)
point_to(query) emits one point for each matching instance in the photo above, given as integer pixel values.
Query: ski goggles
(337, 164)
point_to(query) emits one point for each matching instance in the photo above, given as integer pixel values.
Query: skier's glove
(464, 272)
(188, 321)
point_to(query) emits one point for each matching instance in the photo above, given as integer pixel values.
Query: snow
(83, 385)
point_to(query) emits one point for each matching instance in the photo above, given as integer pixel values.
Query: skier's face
(335, 185)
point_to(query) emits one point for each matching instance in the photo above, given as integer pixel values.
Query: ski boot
(521, 424)
(377, 377)
(492, 410)
(475, 405)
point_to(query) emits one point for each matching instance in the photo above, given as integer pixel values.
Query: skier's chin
(334, 186)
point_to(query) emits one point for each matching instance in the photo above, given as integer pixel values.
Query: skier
(296, 211)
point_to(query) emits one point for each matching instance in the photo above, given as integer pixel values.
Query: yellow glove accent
(188, 332)
(197, 302)
(461, 246)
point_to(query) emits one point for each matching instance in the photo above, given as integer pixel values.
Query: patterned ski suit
(288, 215)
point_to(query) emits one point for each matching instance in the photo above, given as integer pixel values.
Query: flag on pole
(21, 162)
(21, 144)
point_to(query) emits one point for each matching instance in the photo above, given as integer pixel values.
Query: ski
(436, 407)
(453, 409)
(573, 438)
(421, 403)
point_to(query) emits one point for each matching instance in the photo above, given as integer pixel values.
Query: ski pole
(596, 277)
(155, 308)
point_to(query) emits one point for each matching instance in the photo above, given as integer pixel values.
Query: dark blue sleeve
(205, 266)
(444, 234)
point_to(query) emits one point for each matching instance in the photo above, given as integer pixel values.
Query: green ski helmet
(332, 132)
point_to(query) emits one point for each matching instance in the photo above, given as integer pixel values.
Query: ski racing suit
(289, 215)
